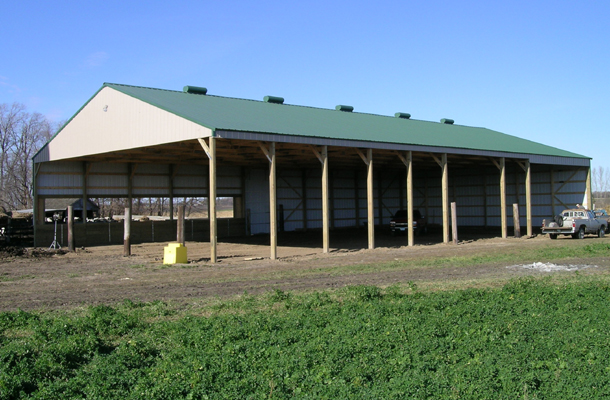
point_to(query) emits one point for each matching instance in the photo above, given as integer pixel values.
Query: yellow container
(175, 253)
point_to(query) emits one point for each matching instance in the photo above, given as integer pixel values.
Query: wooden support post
(408, 161)
(127, 233)
(502, 167)
(71, 228)
(273, 201)
(325, 213)
(270, 154)
(370, 198)
(516, 221)
(589, 204)
(212, 201)
(526, 166)
(410, 231)
(528, 197)
(454, 227)
(180, 231)
(503, 197)
(445, 196)
(210, 151)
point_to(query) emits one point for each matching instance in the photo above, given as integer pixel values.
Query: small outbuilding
(299, 167)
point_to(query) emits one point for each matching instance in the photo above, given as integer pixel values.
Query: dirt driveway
(42, 280)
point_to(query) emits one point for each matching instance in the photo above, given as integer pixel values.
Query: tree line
(22, 134)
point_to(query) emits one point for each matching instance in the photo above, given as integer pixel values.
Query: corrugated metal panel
(230, 114)
(149, 185)
(104, 168)
(66, 167)
(107, 185)
(257, 187)
(191, 185)
(60, 179)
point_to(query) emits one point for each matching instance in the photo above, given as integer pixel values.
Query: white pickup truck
(576, 222)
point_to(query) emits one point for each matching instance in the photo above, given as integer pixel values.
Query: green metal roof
(231, 114)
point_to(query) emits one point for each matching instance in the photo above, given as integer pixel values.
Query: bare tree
(22, 134)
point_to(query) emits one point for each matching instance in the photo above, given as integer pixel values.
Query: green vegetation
(533, 338)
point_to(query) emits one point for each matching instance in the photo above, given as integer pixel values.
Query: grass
(4, 277)
(575, 250)
(531, 338)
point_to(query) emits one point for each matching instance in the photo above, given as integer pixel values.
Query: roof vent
(402, 115)
(447, 121)
(194, 90)
(274, 99)
(341, 107)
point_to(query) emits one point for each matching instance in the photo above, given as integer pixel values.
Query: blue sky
(534, 69)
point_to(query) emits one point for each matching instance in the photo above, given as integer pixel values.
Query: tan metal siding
(113, 121)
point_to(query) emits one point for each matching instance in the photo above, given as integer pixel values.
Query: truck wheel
(602, 232)
(559, 220)
(580, 234)
(553, 236)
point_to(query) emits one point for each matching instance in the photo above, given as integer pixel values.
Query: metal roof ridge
(284, 104)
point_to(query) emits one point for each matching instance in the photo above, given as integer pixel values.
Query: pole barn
(293, 168)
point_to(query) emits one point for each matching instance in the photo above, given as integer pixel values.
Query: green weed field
(531, 339)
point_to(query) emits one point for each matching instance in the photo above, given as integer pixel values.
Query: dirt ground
(43, 279)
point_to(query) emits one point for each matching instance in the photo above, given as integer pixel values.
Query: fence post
(516, 220)
(127, 234)
(70, 228)
(180, 230)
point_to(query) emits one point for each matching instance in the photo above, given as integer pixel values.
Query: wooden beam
(409, 164)
(438, 160)
(528, 197)
(210, 151)
(272, 199)
(364, 158)
(212, 201)
(317, 153)
(266, 151)
(370, 198)
(503, 197)
(325, 213)
(445, 197)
